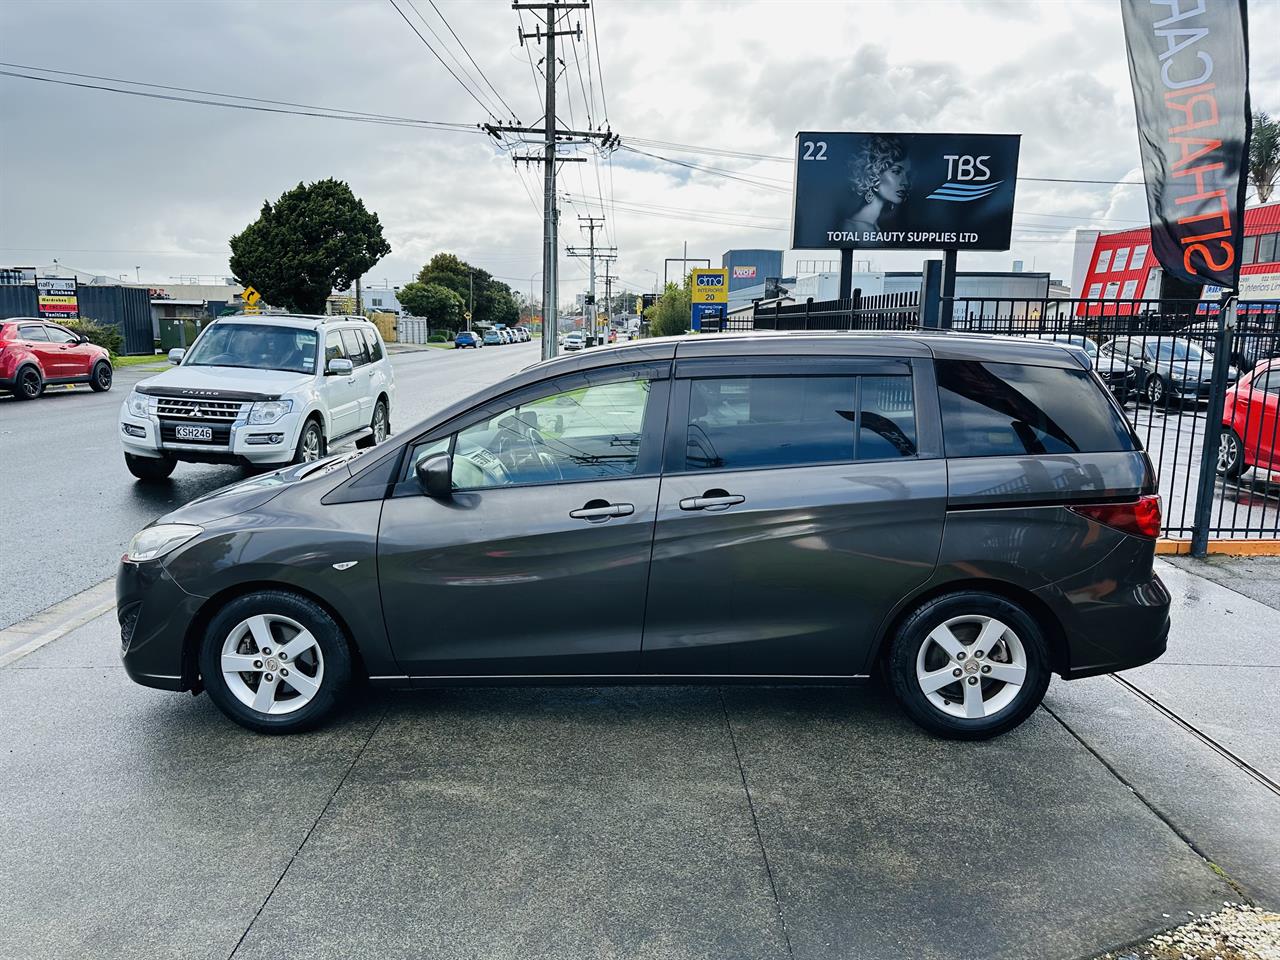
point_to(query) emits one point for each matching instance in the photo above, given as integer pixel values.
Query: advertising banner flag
(1189, 63)
(904, 191)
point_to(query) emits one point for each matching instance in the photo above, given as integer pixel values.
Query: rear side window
(375, 345)
(1014, 409)
(741, 423)
(357, 348)
(33, 331)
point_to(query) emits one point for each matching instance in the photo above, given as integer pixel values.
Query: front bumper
(154, 615)
(239, 442)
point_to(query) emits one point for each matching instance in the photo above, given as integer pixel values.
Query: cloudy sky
(110, 183)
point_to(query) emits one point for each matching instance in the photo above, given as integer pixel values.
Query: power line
(322, 112)
(428, 45)
(761, 184)
(453, 56)
(595, 39)
(472, 59)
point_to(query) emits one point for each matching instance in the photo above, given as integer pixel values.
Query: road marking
(55, 622)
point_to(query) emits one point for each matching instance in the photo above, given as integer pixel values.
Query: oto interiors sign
(56, 297)
(709, 286)
(904, 191)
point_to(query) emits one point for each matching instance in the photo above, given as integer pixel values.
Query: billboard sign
(1190, 72)
(56, 297)
(904, 191)
(709, 286)
(744, 273)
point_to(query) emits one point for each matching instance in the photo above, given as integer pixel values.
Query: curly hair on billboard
(880, 177)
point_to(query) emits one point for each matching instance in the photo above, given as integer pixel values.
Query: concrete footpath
(655, 822)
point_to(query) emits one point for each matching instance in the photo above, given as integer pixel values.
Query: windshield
(257, 346)
(1177, 350)
(1084, 343)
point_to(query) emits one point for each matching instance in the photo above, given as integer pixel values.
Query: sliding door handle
(712, 500)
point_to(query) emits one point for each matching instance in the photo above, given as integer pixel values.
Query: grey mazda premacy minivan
(966, 515)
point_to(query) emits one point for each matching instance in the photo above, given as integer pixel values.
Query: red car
(1251, 422)
(35, 353)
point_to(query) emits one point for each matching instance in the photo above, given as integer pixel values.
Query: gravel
(1235, 932)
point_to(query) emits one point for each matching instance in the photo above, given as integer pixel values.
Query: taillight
(1140, 517)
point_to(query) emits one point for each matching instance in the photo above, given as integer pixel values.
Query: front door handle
(712, 500)
(597, 511)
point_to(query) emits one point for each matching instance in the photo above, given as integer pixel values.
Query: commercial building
(1119, 265)
(750, 268)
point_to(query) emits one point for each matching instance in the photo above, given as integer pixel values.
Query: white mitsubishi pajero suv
(261, 391)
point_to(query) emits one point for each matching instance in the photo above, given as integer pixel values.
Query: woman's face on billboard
(894, 182)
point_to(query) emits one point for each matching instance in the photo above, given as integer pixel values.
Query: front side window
(1010, 409)
(58, 335)
(256, 346)
(333, 348)
(589, 433)
(742, 423)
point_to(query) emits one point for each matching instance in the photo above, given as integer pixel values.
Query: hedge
(102, 334)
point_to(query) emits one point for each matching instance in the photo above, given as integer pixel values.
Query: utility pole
(551, 135)
(608, 300)
(471, 296)
(592, 225)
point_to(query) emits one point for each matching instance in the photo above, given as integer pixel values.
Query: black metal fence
(1158, 357)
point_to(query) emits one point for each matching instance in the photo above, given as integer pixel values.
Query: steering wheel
(537, 444)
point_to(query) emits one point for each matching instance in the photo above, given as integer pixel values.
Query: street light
(655, 278)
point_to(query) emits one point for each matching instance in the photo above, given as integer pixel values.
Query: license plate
(193, 433)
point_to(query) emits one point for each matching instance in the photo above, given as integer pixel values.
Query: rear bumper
(154, 614)
(1112, 624)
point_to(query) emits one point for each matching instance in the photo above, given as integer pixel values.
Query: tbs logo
(968, 179)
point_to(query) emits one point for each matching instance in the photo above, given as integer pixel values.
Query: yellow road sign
(466, 315)
(251, 296)
(709, 286)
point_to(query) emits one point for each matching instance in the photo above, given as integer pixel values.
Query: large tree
(670, 315)
(440, 306)
(315, 239)
(1264, 155)
(493, 300)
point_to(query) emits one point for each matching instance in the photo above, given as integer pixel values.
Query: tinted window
(333, 348)
(1250, 250)
(740, 423)
(1006, 409)
(33, 331)
(374, 344)
(58, 335)
(1269, 381)
(357, 349)
(590, 433)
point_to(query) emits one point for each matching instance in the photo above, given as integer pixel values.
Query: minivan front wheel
(969, 665)
(275, 662)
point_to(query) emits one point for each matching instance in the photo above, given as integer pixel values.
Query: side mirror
(81, 340)
(435, 476)
(339, 367)
(176, 355)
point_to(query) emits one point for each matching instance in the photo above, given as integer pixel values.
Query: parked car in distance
(1252, 341)
(261, 391)
(1251, 423)
(574, 340)
(35, 354)
(966, 514)
(466, 338)
(1170, 369)
(1121, 378)
(492, 338)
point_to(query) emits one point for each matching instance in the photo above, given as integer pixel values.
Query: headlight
(269, 411)
(159, 540)
(136, 404)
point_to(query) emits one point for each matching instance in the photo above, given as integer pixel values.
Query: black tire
(905, 652)
(304, 451)
(334, 655)
(1230, 455)
(380, 410)
(100, 380)
(150, 469)
(28, 384)
(1155, 391)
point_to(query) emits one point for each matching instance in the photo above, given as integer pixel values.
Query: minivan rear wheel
(969, 665)
(275, 662)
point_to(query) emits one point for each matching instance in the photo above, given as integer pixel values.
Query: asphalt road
(68, 506)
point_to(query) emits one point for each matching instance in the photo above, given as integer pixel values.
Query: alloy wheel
(971, 667)
(30, 384)
(104, 376)
(311, 445)
(272, 664)
(379, 424)
(1228, 453)
(1155, 390)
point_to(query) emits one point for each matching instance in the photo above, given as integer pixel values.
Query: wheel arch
(209, 609)
(1036, 608)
